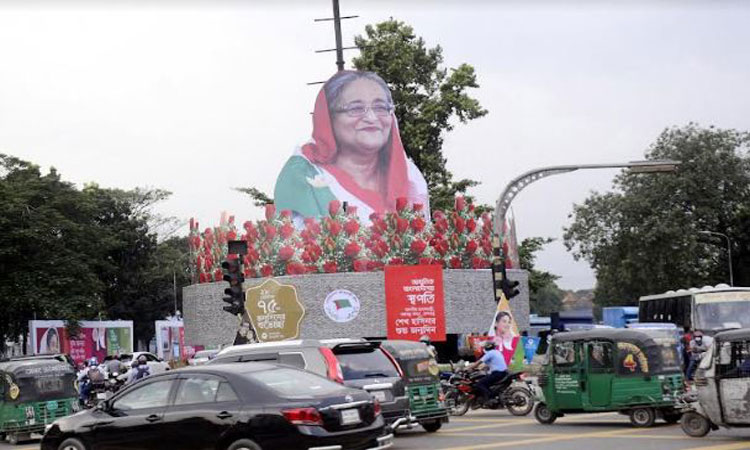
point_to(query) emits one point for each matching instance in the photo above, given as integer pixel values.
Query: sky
(200, 97)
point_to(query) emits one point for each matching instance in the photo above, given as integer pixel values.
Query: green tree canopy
(77, 254)
(545, 296)
(428, 97)
(643, 238)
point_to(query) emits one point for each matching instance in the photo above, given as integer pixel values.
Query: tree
(544, 295)
(642, 238)
(83, 254)
(428, 99)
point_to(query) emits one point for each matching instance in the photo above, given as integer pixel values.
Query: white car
(156, 364)
(202, 357)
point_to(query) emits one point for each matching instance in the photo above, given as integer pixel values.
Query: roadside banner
(274, 311)
(94, 338)
(414, 302)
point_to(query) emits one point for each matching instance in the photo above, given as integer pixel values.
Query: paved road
(498, 430)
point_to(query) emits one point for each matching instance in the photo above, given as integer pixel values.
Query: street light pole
(520, 182)
(729, 251)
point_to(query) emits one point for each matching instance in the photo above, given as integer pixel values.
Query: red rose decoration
(286, 214)
(334, 228)
(417, 224)
(401, 203)
(361, 265)
(351, 210)
(471, 225)
(401, 225)
(286, 231)
(270, 231)
(330, 267)
(455, 262)
(459, 223)
(352, 249)
(417, 246)
(285, 253)
(270, 211)
(333, 207)
(232, 235)
(396, 261)
(266, 270)
(460, 203)
(351, 227)
(218, 275)
(471, 247)
(202, 278)
(295, 268)
(417, 207)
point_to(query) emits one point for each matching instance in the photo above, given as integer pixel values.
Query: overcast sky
(197, 98)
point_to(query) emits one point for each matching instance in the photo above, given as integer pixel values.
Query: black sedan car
(249, 406)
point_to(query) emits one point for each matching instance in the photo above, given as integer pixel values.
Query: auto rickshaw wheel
(543, 415)
(642, 417)
(694, 424)
(432, 427)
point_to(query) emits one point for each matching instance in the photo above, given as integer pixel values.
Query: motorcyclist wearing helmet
(495, 361)
(140, 369)
(91, 374)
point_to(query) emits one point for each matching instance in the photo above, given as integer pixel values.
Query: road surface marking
(736, 446)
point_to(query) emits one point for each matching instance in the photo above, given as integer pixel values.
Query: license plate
(101, 395)
(380, 395)
(350, 416)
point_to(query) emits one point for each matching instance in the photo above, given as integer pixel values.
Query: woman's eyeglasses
(358, 110)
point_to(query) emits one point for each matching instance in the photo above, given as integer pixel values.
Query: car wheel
(71, 444)
(244, 444)
(432, 427)
(543, 415)
(642, 417)
(694, 424)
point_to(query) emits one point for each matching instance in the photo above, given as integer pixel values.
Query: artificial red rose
(379, 225)
(313, 226)
(250, 273)
(270, 231)
(427, 261)
(202, 278)
(401, 203)
(198, 261)
(417, 246)
(218, 275)
(471, 208)
(266, 270)
(417, 207)
(329, 243)
(232, 235)
(352, 249)
(396, 261)
(330, 267)
(479, 263)
(311, 268)
(458, 223)
(471, 225)
(460, 203)
(351, 227)
(351, 210)
(417, 224)
(247, 225)
(455, 262)
(285, 253)
(286, 231)
(379, 248)
(270, 211)
(375, 265)
(441, 225)
(361, 265)
(438, 215)
(252, 255)
(334, 228)
(192, 223)
(286, 214)
(441, 247)
(471, 247)
(295, 268)
(333, 207)
(231, 220)
(401, 225)
(306, 236)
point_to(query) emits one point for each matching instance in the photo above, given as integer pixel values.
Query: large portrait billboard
(355, 154)
(94, 338)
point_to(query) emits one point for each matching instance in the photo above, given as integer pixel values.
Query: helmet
(489, 345)
(93, 361)
(142, 359)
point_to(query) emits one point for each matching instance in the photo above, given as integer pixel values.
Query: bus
(709, 309)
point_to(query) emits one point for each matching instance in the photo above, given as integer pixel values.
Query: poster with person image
(93, 338)
(504, 331)
(355, 154)
(50, 340)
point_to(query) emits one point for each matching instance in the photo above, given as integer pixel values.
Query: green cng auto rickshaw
(34, 392)
(621, 370)
(722, 386)
(420, 372)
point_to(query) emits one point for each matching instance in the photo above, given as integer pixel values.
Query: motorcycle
(510, 393)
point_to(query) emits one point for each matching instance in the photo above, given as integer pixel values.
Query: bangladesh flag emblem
(342, 303)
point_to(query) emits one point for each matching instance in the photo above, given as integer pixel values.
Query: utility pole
(339, 41)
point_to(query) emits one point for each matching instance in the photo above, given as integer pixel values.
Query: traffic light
(510, 288)
(501, 282)
(234, 293)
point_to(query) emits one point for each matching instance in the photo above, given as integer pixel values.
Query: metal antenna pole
(337, 29)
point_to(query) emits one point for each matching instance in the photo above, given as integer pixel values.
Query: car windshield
(369, 363)
(204, 354)
(722, 315)
(126, 357)
(295, 384)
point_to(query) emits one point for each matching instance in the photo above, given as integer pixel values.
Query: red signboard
(414, 302)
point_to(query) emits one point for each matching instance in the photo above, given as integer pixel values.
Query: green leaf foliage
(429, 99)
(643, 238)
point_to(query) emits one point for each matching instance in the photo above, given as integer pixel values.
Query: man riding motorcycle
(140, 369)
(91, 376)
(498, 369)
